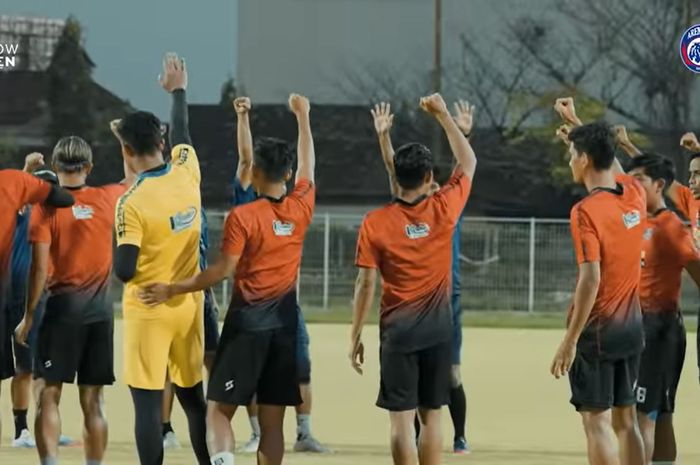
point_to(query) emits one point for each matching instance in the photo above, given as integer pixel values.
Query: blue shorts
(456, 330)
(211, 322)
(303, 357)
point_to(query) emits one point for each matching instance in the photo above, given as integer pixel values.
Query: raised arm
(244, 172)
(306, 157)
(567, 111)
(383, 121)
(624, 142)
(174, 81)
(461, 148)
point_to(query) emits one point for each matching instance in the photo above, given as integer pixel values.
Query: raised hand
(435, 105)
(383, 118)
(242, 105)
(174, 75)
(621, 136)
(689, 141)
(464, 116)
(299, 105)
(563, 132)
(33, 161)
(155, 294)
(567, 111)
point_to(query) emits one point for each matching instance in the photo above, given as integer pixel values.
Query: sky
(127, 39)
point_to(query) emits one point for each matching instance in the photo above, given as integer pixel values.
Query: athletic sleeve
(128, 224)
(584, 236)
(39, 226)
(454, 194)
(184, 156)
(682, 243)
(304, 194)
(24, 188)
(367, 255)
(235, 235)
(685, 202)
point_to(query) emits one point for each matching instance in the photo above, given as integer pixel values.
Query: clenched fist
(299, 105)
(242, 105)
(434, 104)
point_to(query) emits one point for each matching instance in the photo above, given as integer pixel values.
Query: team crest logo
(631, 219)
(690, 48)
(183, 220)
(282, 229)
(417, 231)
(82, 212)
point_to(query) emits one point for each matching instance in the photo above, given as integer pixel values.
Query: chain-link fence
(506, 264)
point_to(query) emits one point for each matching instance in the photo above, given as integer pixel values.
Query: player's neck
(144, 163)
(411, 195)
(71, 179)
(599, 180)
(654, 205)
(275, 191)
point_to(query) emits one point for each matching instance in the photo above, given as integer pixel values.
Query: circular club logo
(690, 48)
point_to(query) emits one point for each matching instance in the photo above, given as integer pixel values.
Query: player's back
(608, 227)
(161, 214)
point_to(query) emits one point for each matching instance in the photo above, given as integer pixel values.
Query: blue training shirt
(21, 250)
(455, 257)
(242, 196)
(203, 242)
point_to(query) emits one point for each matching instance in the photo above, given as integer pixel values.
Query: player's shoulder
(182, 153)
(670, 221)
(380, 215)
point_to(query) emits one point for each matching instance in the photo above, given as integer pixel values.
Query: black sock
(20, 421)
(195, 407)
(148, 408)
(416, 424)
(458, 410)
(167, 428)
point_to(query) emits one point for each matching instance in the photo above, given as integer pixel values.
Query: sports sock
(195, 407)
(223, 458)
(664, 463)
(458, 410)
(167, 428)
(48, 461)
(303, 426)
(20, 421)
(93, 462)
(148, 410)
(255, 426)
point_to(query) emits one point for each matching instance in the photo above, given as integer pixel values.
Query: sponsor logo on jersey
(183, 220)
(632, 219)
(82, 212)
(281, 228)
(648, 233)
(417, 231)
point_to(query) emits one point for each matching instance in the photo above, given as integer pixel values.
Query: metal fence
(506, 264)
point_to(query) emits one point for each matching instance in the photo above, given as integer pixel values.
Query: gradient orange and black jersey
(608, 227)
(80, 241)
(667, 248)
(17, 189)
(268, 236)
(411, 246)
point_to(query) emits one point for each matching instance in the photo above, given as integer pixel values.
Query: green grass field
(518, 414)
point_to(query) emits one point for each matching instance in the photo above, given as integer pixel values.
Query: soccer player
(76, 333)
(244, 193)
(262, 249)
(668, 248)
(383, 121)
(158, 226)
(17, 189)
(409, 242)
(604, 339)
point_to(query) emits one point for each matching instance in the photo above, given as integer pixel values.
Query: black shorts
(415, 379)
(211, 322)
(600, 384)
(662, 363)
(250, 363)
(65, 349)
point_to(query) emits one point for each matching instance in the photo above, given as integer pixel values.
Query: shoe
(65, 441)
(251, 446)
(24, 441)
(461, 447)
(170, 441)
(310, 444)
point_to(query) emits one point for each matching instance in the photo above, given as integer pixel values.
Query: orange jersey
(411, 246)
(17, 189)
(268, 236)
(667, 248)
(607, 227)
(81, 247)
(690, 208)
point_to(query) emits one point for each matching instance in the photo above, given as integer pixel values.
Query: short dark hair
(71, 154)
(412, 162)
(597, 141)
(655, 166)
(274, 157)
(142, 131)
